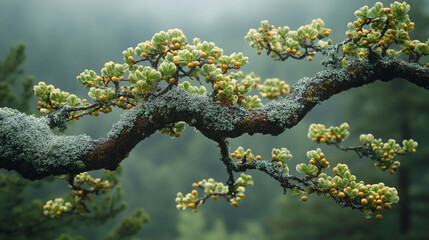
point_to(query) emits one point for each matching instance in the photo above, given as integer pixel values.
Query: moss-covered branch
(28, 145)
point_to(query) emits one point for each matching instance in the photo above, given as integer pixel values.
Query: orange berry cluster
(244, 156)
(319, 133)
(281, 43)
(377, 28)
(213, 189)
(280, 157)
(345, 189)
(384, 152)
(174, 129)
(273, 88)
(83, 185)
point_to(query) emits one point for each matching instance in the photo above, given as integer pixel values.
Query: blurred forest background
(63, 38)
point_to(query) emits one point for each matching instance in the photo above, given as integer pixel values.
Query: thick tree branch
(28, 145)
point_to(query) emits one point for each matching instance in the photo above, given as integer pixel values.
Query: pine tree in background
(22, 216)
(375, 104)
(156, 99)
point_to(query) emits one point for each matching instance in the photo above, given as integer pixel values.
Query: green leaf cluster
(377, 28)
(333, 134)
(281, 43)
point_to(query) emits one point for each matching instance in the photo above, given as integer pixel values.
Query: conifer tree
(160, 84)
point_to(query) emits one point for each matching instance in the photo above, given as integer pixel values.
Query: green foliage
(10, 75)
(194, 226)
(192, 89)
(377, 28)
(23, 220)
(319, 133)
(82, 187)
(171, 58)
(129, 227)
(173, 130)
(281, 43)
(375, 149)
(213, 189)
(273, 88)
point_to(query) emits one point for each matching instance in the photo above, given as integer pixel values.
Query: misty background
(64, 38)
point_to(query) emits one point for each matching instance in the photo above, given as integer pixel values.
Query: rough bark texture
(28, 146)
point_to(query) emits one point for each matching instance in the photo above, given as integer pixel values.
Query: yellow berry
(130, 58)
(129, 106)
(387, 206)
(304, 198)
(191, 205)
(196, 63)
(194, 185)
(274, 157)
(310, 58)
(177, 134)
(172, 80)
(190, 65)
(121, 98)
(341, 195)
(378, 216)
(114, 79)
(378, 208)
(364, 201)
(258, 157)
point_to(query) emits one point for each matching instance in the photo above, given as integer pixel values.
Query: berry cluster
(319, 133)
(280, 157)
(317, 162)
(82, 186)
(377, 28)
(170, 57)
(213, 189)
(384, 153)
(244, 156)
(56, 207)
(344, 189)
(273, 88)
(174, 129)
(280, 43)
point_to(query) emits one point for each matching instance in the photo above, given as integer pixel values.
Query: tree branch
(29, 146)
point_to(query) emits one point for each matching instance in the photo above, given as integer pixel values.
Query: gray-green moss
(126, 122)
(215, 116)
(28, 142)
(272, 169)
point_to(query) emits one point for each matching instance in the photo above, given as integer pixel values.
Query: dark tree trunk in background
(404, 208)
